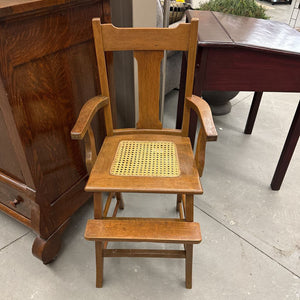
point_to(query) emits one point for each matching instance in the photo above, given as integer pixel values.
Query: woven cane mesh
(141, 158)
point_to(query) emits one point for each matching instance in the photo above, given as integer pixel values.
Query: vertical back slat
(149, 84)
(101, 62)
(192, 51)
(148, 46)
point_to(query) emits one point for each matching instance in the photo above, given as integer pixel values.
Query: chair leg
(120, 198)
(189, 216)
(179, 197)
(98, 245)
(188, 265)
(99, 264)
(98, 206)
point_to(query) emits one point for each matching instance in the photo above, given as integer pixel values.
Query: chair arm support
(203, 112)
(207, 130)
(86, 115)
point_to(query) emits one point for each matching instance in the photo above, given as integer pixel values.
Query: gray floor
(251, 234)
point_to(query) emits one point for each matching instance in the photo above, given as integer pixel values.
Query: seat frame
(148, 45)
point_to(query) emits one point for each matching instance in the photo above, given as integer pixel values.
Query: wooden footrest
(143, 230)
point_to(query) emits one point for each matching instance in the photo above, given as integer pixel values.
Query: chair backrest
(148, 45)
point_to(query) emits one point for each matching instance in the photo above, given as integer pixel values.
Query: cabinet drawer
(15, 199)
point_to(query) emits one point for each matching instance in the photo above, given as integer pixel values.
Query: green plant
(246, 8)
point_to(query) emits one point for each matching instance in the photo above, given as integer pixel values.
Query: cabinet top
(10, 8)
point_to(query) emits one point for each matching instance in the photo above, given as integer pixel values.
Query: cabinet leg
(47, 250)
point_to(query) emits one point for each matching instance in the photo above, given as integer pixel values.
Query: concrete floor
(251, 234)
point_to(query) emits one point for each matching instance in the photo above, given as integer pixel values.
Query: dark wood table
(246, 54)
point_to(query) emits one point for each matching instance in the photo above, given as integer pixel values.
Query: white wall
(144, 13)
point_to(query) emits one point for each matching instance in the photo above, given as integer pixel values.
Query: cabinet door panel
(8, 159)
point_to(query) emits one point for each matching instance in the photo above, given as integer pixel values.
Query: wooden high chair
(147, 159)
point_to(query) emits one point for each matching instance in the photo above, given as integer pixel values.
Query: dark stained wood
(244, 54)
(8, 158)
(47, 72)
(253, 112)
(14, 214)
(258, 33)
(15, 200)
(266, 70)
(47, 250)
(14, 7)
(287, 151)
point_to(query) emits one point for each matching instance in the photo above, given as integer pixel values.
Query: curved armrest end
(200, 106)
(86, 115)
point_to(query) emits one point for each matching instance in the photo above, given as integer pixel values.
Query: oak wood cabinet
(48, 70)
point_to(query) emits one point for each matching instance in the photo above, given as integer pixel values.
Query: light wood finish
(116, 39)
(99, 263)
(190, 76)
(141, 230)
(120, 199)
(99, 245)
(102, 75)
(98, 214)
(144, 253)
(107, 204)
(203, 111)
(86, 115)
(148, 73)
(147, 131)
(147, 45)
(207, 130)
(189, 215)
(101, 180)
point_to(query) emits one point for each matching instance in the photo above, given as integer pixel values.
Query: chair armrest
(203, 111)
(207, 130)
(86, 115)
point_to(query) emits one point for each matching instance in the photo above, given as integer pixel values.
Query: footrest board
(140, 230)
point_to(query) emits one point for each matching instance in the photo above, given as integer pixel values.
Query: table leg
(253, 112)
(287, 151)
